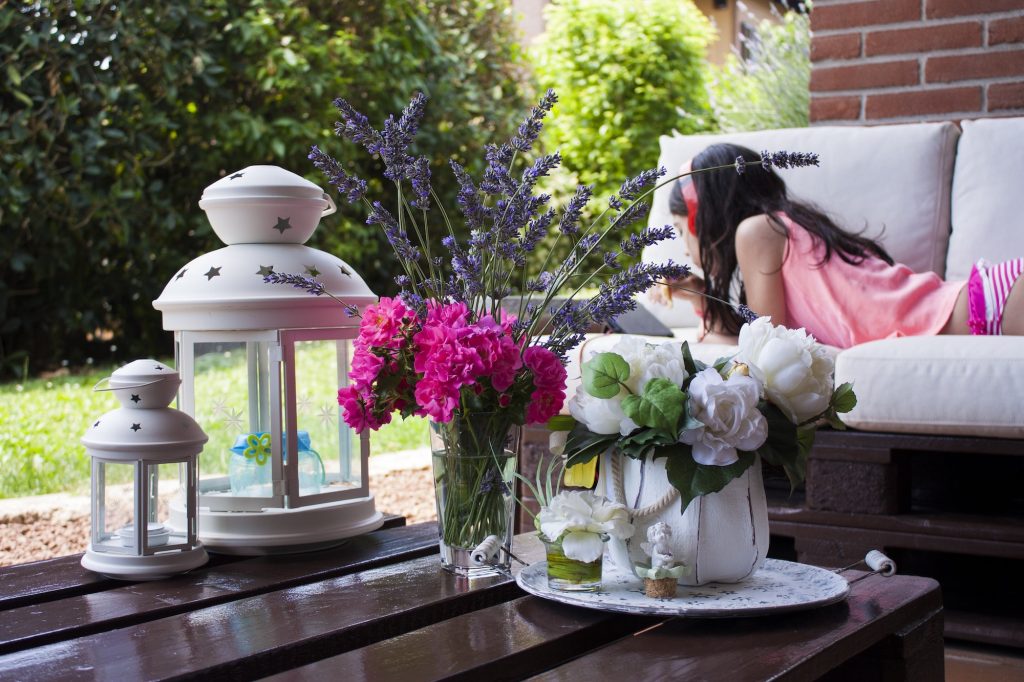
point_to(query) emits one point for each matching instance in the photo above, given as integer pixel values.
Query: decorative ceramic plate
(776, 587)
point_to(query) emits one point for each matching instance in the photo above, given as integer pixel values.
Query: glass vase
(474, 459)
(571, 575)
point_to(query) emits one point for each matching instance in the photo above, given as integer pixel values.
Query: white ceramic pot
(722, 536)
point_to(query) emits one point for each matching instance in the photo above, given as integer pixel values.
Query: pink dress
(842, 304)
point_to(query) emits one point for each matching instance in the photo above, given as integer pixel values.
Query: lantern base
(284, 531)
(149, 567)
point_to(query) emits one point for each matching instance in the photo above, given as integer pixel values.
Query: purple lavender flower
(634, 244)
(351, 310)
(634, 212)
(351, 187)
(632, 189)
(474, 211)
(419, 176)
(356, 127)
(569, 224)
(615, 203)
(530, 128)
(536, 230)
(403, 280)
(746, 313)
(393, 231)
(397, 136)
(611, 260)
(496, 178)
(741, 165)
(298, 281)
(788, 159)
(540, 284)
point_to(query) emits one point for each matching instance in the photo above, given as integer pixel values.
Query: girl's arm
(760, 250)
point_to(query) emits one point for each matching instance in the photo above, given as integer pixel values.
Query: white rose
(728, 409)
(795, 370)
(581, 519)
(634, 351)
(663, 361)
(601, 416)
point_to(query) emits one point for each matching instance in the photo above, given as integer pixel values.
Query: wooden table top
(379, 607)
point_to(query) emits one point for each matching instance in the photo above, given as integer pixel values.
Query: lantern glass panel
(328, 450)
(234, 400)
(113, 514)
(164, 488)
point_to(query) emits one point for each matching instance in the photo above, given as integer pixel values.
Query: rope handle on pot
(619, 490)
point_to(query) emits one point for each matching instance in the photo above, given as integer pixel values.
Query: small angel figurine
(661, 576)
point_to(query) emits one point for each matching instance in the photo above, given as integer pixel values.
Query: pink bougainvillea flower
(548, 371)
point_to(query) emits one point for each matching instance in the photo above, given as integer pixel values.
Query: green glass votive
(571, 575)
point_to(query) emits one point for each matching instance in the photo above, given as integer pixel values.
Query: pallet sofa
(932, 470)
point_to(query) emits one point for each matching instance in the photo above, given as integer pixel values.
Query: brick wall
(882, 61)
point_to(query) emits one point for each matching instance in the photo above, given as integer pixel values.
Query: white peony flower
(580, 518)
(646, 361)
(728, 409)
(795, 370)
(601, 416)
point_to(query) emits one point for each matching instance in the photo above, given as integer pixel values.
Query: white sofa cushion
(860, 167)
(987, 180)
(950, 385)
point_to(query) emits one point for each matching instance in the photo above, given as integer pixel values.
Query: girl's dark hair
(726, 198)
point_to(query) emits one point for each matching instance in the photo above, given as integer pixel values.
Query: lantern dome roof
(224, 290)
(264, 214)
(155, 434)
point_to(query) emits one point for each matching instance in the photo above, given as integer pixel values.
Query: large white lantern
(143, 461)
(261, 366)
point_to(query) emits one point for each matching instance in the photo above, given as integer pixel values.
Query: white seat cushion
(987, 182)
(950, 385)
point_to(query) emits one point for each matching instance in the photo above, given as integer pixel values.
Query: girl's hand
(691, 290)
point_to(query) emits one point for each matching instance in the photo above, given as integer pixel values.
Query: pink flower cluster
(422, 366)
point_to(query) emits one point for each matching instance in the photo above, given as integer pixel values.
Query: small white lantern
(143, 455)
(261, 366)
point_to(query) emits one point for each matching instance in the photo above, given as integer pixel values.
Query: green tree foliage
(766, 85)
(115, 116)
(623, 71)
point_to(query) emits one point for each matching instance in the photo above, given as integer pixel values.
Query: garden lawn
(43, 420)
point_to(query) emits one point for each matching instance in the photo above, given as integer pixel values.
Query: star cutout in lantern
(265, 270)
(233, 418)
(312, 271)
(345, 271)
(236, 176)
(303, 404)
(181, 274)
(159, 368)
(218, 406)
(136, 427)
(211, 273)
(95, 425)
(135, 398)
(283, 224)
(326, 415)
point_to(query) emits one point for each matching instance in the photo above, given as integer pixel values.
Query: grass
(43, 420)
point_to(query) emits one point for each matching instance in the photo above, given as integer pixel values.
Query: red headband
(689, 192)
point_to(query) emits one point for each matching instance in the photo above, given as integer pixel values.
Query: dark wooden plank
(989, 629)
(852, 439)
(270, 633)
(509, 641)
(798, 646)
(133, 603)
(40, 581)
(876, 538)
(949, 526)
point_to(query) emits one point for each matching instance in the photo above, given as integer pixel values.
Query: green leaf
(561, 422)
(659, 407)
(582, 445)
(638, 443)
(604, 374)
(693, 480)
(844, 399)
(782, 448)
(692, 366)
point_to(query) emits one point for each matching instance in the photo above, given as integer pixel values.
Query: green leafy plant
(623, 72)
(766, 84)
(115, 116)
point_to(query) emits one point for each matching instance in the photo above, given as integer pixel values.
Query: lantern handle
(97, 388)
(331, 206)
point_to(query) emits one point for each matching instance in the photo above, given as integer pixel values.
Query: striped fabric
(988, 288)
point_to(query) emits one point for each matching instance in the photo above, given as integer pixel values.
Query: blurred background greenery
(115, 115)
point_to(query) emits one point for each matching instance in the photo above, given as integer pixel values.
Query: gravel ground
(32, 529)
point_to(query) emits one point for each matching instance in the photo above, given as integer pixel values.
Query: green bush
(114, 117)
(622, 71)
(770, 86)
